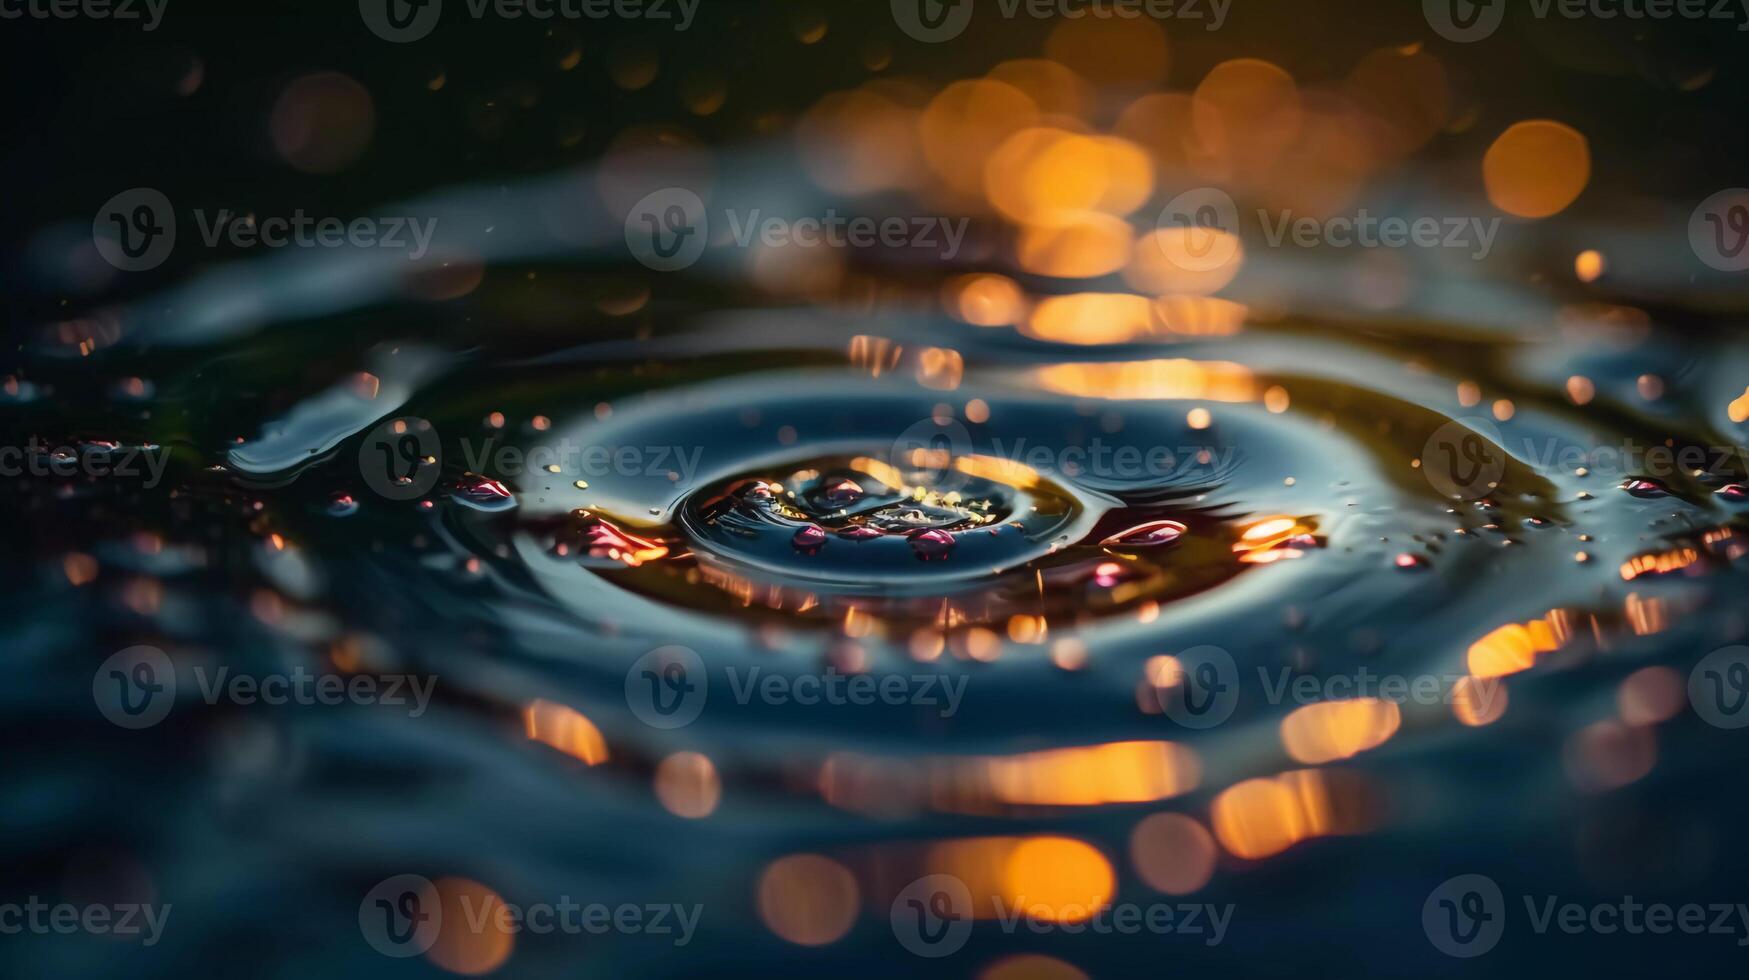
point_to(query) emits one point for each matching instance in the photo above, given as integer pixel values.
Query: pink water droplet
(343, 505)
(931, 543)
(843, 493)
(484, 493)
(809, 538)
(1644, 488)
(1411, 562)
(1109, 574)
(1734, 492)
(861, 532)
(1152, 535)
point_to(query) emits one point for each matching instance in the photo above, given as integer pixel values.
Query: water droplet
(343, 505)
(931, 543)
(810, 537)
(484, 493)
(1735, 492)
(1644, 488)
(843, 493)
(1151, 535)
(1411, 562)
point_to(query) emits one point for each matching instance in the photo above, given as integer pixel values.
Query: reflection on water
(781, 582)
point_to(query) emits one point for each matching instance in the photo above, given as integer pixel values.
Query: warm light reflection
(1095, 775)
(565, 729)
(1478, 702)
(461, 946)
(1261, 817)
(1163, 379)
(1514, 647)
(807, 899)
(688, 786)
(1048, 879)
(1609, 755)
(1537, 168)
(1031, 966)
(1172, 853)
(1074, 245)
(1326, 732)
(1659, 563)
(985, 300)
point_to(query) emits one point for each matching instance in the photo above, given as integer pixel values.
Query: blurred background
(1114, 550)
